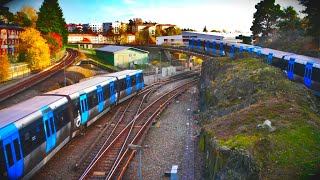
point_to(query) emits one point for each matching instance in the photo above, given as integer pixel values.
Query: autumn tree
(265, 18)
(158, 32)
(4, 67)
(34, 49)
(54, 41)
(213, 30)
(171, 31)
(31, 13)
(50, 19)
(86, 40)
(21, 19)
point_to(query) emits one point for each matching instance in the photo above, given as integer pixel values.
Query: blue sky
(215, 14)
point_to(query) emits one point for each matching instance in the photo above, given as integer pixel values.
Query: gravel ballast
(165, 142)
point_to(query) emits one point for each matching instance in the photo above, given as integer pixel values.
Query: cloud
(129, 2)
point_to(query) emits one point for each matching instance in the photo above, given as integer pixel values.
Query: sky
(230, 15)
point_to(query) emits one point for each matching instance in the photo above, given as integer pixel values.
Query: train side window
(76, 108)
(123, 84)
(52, 125)
(133, 80)
(92, 99)
(61, 117)
(17, 149)
(9, 154)
(27, 143)
(106, 92)
(39, 130)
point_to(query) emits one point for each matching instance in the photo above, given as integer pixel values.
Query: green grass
(297, 148)
(101, 62)
(239, 141)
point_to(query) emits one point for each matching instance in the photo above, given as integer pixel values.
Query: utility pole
(160, 61)
(64, 72)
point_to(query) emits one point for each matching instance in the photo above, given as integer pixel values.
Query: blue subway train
(297, 67)
(33, 131)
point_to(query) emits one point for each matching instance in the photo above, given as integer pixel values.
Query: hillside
(256, 123)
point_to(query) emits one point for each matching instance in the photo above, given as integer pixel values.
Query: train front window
(9, 154)
(17, 149)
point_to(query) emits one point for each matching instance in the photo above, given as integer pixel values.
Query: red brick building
(9, 38)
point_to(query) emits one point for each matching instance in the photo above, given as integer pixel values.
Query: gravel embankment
(166, 141)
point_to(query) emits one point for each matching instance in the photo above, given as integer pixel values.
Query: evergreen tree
(313, 15)
(265, 18)
(50, 19)
(205, 29)
(5, 15)
(290, 26)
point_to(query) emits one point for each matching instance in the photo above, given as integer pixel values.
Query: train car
(298, 68)
(30, 134)
(32, 131)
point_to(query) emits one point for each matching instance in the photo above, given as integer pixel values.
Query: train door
(128, 82)
(84, 108)
(138, 81)
(141, 80)
(100, 99)
(12, 151)
(49, 128)
(112, 93)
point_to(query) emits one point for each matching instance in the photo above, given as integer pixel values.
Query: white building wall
(169, 39)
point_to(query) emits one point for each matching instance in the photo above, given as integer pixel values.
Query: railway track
(27, 83)
(110, 155)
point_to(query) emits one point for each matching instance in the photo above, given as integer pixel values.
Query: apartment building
(116, 26)
(9, 38)
(95, 27)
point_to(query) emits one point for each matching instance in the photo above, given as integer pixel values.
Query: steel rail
(37, 78)
(99, 154)
(150, 118)
(121, 134)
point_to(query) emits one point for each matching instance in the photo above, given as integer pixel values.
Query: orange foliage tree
(4, 67)
(34, 49)
(54, 41)
(86, 40)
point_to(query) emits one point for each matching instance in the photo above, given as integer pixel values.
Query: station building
(122, 56)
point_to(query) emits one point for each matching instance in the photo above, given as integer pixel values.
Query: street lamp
(137, 148)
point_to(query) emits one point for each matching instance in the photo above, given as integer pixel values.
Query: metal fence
(18, 70)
